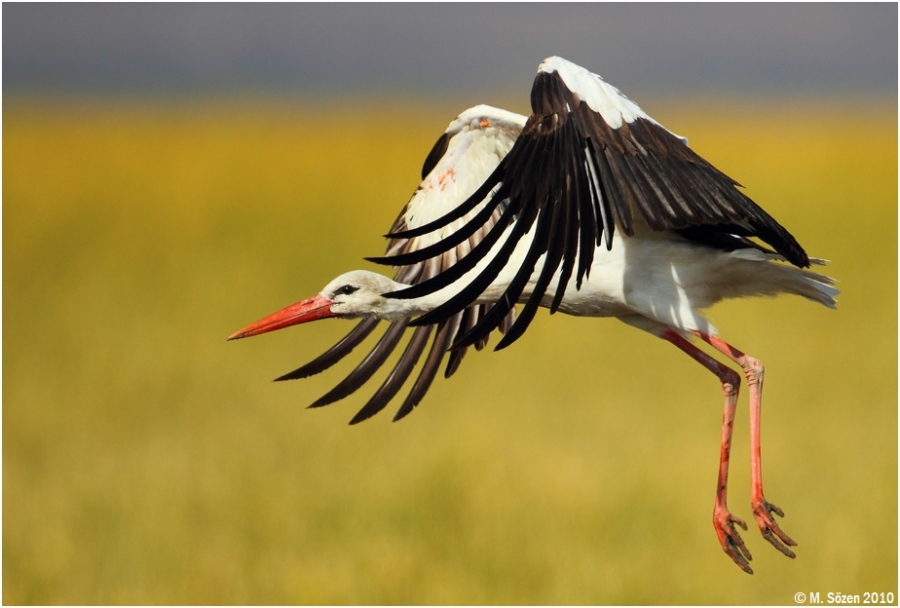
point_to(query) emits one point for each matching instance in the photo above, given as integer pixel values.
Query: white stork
(588, 207)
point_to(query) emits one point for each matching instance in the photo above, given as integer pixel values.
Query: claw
(730, 538)
(762, 512)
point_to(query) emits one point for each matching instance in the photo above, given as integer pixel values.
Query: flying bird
(587, 207)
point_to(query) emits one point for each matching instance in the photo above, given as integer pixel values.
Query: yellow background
(146, 460)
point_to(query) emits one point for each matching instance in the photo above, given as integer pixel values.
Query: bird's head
(355, 294)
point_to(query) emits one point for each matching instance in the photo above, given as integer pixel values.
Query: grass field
(147, 461)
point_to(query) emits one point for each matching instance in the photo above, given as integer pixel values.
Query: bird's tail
(784, 278)
(817, 287)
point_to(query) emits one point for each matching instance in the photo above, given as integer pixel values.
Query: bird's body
(588, 207)
(662, 278)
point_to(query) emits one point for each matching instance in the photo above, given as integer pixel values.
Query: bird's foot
(730, 539)
(762, 512)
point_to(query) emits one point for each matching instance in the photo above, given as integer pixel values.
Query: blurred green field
(147, 461)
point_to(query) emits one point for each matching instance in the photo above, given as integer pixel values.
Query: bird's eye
(346, 290)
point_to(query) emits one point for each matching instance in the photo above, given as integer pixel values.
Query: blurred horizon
(336, 50)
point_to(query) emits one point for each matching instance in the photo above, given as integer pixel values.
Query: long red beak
(316, 307)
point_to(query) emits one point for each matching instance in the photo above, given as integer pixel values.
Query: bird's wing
(588, 162)
(461, 160)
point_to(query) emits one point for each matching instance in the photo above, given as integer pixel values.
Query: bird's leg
(723, 520)
(762, 509)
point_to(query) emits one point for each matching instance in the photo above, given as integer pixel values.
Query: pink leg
(762, 509)
(723, 520)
